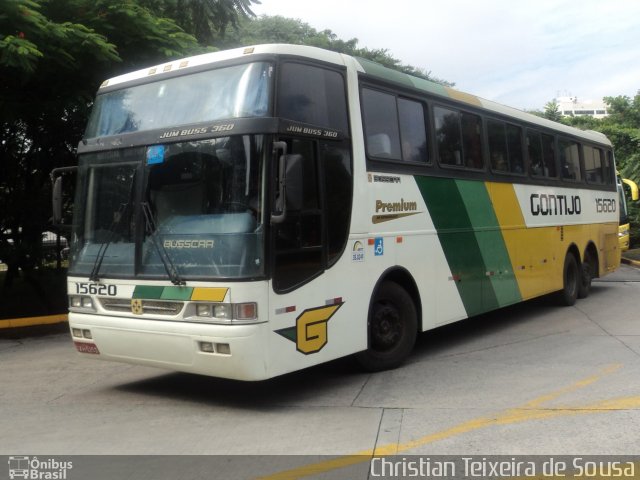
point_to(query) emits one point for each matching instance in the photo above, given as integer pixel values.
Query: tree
(53, 56)
(552, 111)
(277, 29)
(206, 20)
(622, 127)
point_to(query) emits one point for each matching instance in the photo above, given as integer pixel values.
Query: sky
(520, 53)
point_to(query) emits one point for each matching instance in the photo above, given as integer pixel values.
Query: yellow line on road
(526, 412)
(32, 321)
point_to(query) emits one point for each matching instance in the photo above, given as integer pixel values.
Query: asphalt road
(525, 380)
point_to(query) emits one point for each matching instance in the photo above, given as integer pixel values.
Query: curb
(33, 321)
(628, 261)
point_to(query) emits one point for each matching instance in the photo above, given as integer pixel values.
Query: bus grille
(155, 307)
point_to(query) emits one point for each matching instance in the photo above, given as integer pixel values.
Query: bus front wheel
(392, 328)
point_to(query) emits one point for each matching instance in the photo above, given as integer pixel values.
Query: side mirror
(56, 200)
(56, 191)
(280, 198)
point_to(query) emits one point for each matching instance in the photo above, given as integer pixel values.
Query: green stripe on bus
(176, 293)
(472, 242)
(488, 234)
(461, 249)
(148, 292)
(152, 292)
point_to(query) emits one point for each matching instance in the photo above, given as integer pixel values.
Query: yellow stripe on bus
(209, 294)
(532, 270)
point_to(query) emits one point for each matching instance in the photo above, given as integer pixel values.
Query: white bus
(248, 213)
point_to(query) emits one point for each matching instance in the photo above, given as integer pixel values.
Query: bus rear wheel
(587, 273)
(571, 280)
(392, 329)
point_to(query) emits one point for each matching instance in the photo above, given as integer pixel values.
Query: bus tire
(587, 272)
(571, 279)
(392, 329)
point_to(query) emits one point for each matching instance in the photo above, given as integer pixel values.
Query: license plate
(83, 347)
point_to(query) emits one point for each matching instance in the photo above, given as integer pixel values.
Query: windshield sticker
(357, 255)
(155, 155)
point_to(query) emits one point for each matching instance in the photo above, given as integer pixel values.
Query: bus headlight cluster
(81, 302)
(228, 312)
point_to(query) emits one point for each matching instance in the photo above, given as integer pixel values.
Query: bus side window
(542, 161)
(459, 138)
(534, 149)
(472, 141)
(413, 131)
(548, 154)
(569, 159)
(498, 153)
(609, 171)
(505, 147)
(380, 117)
(448, 136)
(593, 165)
(514, 144)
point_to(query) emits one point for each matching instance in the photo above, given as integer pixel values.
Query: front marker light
(75, 302)
(76, 332)
(245, 311)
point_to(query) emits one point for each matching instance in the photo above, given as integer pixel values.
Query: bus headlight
(223, 311)
(204, 310)
(227, 312)
(81, 302)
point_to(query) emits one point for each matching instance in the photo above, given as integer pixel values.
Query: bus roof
(387, 74)
(362, 65)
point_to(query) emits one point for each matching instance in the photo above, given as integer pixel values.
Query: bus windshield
(230, 92)
(194, 207)
(624, 212)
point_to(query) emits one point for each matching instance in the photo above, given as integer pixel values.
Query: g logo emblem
(310, 332)
(136, 306)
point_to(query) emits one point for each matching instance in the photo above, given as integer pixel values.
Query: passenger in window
(536, 168)
(498, 162)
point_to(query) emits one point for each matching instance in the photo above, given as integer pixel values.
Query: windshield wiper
(115, 224)
(169, 267)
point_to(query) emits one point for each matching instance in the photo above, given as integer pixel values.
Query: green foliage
(277, 29)
(207, 20)
(552, 111)
(622, 127)
(55, 53)
(53, 56)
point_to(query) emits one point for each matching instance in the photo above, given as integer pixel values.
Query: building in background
(571, 106)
